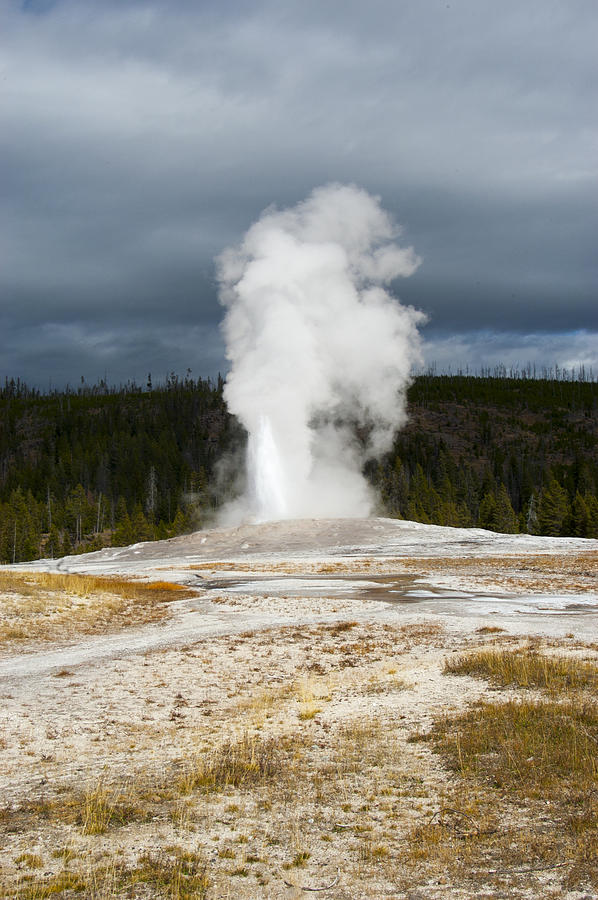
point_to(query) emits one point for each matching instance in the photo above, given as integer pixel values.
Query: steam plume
(317, 347)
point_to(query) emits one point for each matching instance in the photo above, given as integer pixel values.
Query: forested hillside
(84, 469)
(509, 454)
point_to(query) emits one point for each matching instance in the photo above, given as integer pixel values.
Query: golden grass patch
(536, 748)
(526, 668)
(176, 873)
(28, 584)
(527, 774)
(54, 605)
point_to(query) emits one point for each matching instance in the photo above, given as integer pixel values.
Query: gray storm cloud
(320, 351)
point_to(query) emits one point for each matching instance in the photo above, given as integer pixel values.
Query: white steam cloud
(320, 352)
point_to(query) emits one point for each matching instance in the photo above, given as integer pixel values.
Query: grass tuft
(184, 877)
(249, 761)
(98, 811)
(102, 807)
(30, 860)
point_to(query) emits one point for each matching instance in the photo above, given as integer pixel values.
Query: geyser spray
(320, 351)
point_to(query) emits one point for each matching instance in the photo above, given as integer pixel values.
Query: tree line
(106, 466)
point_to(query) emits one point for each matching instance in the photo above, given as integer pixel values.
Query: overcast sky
(139, 139)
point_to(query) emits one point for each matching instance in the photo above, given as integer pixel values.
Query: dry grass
(261, 705)
(234, 763)
(533, 748)
(29, 860)
(527, 769)
(240, 764)
(28, 584)
(181, 875)
(51, 606)
(63, 884)
(526, 792)
(94, 811)
(178, 874)
(104, 806)
(309, 697)
(526, 668)
(568, 574)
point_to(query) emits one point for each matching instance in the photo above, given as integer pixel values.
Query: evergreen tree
(54, 544)
(553, 509)
(123, 533)
(591, 502)
(506, 518)
(488, 513)
(181, 523)
(579, 516)
(142, 529)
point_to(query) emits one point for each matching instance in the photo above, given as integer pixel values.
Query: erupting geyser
(267, 478)
(320, 352)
